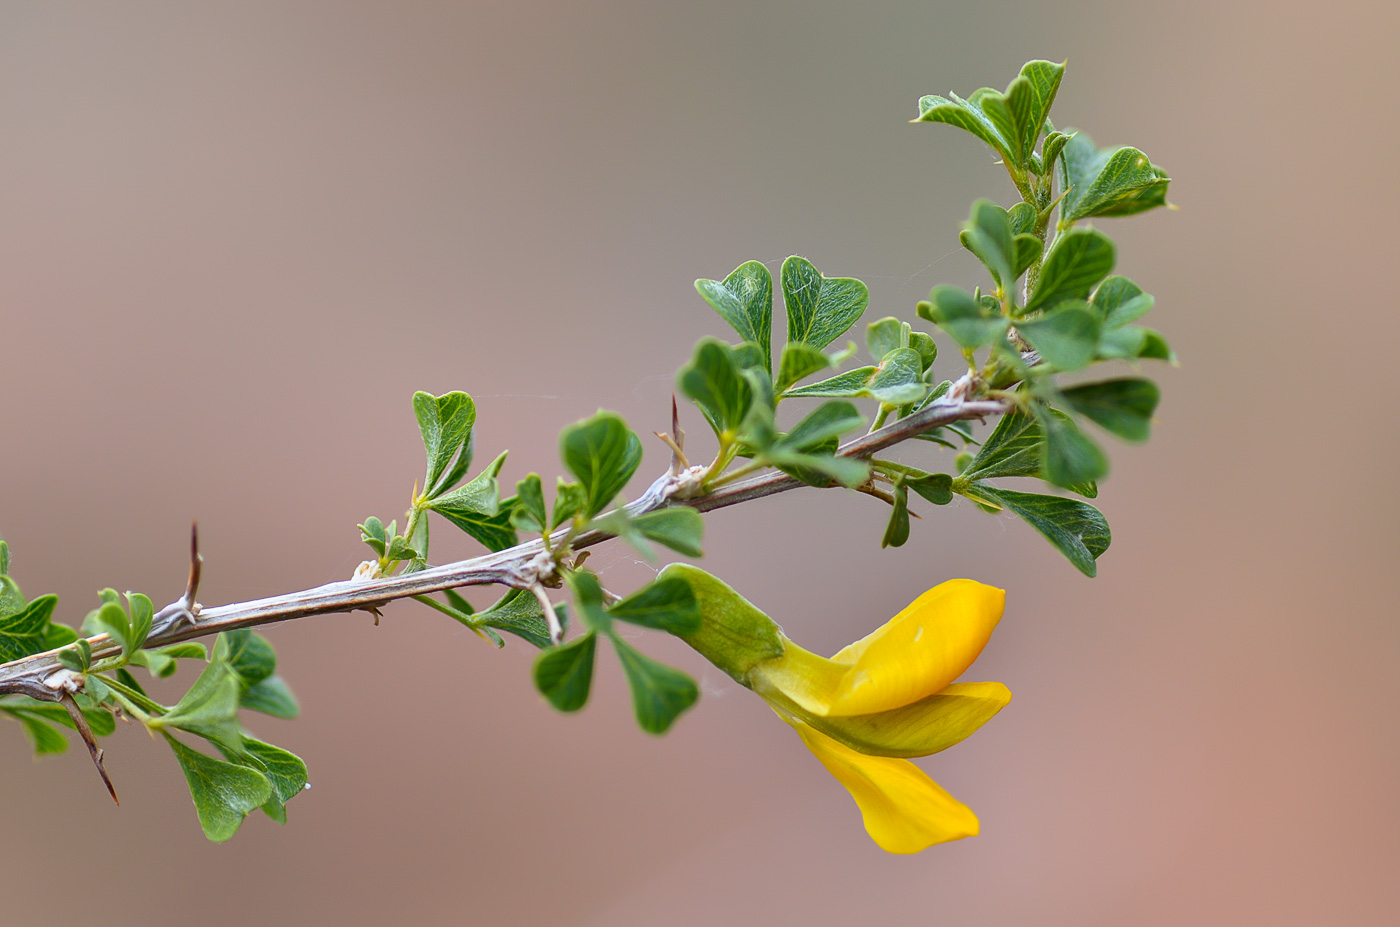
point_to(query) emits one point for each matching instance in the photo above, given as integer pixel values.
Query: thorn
(192, 586)
(578, 561)
(96, 752)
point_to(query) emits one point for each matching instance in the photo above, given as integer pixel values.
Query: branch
(42, 677)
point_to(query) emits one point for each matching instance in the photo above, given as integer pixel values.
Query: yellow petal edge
(903, 809)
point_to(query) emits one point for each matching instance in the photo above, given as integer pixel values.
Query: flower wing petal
(904, 810)
(919, 651)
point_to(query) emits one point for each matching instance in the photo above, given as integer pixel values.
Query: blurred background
(235, 238)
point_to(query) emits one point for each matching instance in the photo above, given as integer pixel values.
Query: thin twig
(516, 567)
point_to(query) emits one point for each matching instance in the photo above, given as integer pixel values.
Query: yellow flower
(889, 695)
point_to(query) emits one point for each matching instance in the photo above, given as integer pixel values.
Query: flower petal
(904, 810)
(919, 651)
(929, 725)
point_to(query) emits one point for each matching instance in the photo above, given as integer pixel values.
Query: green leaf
(1010, 122)
(896, 381)
(1123, 407)
(249, 655)
(4, 557)
(819, 309)
(666, 605)
(518, 612)
(1070, 459)
(26, 632)
(1067, 336)
(112, 620)
(446, 424)
(680, 528)
(603, 453)
(224, 793)
(1050, 150)
(142, 614)
(77, 658)
(99, 719)
(529, 511)
(209, 709)
(189, 650)
(1028, 251)
(1012, 449)
(935, 487)
(564, 674)
(1029, 98)
(744, 299)
(284, 770)
(799, 361)
(987, 234)
(1107, 181)
(884, 335)
(827, 421)
(477, 508)
(271, 696)
(1074, 266)
(569, 500)
(897, 530)
(159, 664)
(1077, 529)
(589, 596)
(812, 467)
(957, 313)
(45, 739)
(1120, 301)
(714, 381)
(660, 693)
(372, 533)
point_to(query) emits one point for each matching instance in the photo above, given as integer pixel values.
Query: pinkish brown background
(235, 237)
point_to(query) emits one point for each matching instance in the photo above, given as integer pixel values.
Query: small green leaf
(1074, 266)
(898, 380)
(26, 632)
(564, 674)
(666, 605)
(477, 508)
(957, 313)
(680, 528)
(1010, 122)
(249, 655)
(1070, 459)
(189, 650)
(1108, 181)
(529, 511)
(897, 530)
(446, 424)
(935, 487)
(589, 596)
(569, 500)
(271, 696)
(372, 533)
(987, 234)
(1067, 336)
(159, 664)
(744, 299)
(518, 612)
(224, 793)
(828, 420)
(884, 335)
(4, 558)
(809, 467)
(142, 614)
(284, 770)
(799, 361)
(1123, 407)
(1077, 529)
(603, 453)
(1028, 251)
(714, 381)
(1050, 150)
(209, 709)
(660, 693)
(45, 739)
(819, 309)
(112, 620)
(77, 658)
